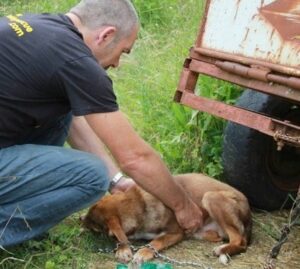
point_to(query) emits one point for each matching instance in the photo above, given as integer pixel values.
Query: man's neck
(75, 20)
(87, 34)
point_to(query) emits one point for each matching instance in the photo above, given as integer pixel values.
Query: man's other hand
(189, 217)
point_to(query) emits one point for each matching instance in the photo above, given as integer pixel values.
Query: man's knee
(94, 174)
(48, 168)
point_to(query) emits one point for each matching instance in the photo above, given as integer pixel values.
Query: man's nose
(116, 63)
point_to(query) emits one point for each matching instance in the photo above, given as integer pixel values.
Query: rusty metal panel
(267, 31)
(282, 131)
(246, 81)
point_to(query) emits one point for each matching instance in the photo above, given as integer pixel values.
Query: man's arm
(139, 161)
(83, 137)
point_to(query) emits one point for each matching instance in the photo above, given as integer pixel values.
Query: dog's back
(196, 185)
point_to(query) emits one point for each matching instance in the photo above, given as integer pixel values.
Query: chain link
(174, 261)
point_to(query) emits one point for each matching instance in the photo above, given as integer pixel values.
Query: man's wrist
(181, 204)
(114, 181)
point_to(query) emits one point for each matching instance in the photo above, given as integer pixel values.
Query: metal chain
(294, 218)
(157, 255)
(106, 250)
(174, 261)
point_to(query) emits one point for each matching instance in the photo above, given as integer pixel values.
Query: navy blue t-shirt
(46, 71)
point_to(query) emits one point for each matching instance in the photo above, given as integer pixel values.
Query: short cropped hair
(118, 13)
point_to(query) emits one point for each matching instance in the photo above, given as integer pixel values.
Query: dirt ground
(266, 229)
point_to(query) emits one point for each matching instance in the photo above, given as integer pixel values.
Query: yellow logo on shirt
(19, 26)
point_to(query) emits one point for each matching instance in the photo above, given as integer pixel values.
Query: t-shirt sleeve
(87, 87)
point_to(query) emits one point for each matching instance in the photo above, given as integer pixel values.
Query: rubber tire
(248, 155)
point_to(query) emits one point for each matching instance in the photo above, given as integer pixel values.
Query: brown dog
(137, 214)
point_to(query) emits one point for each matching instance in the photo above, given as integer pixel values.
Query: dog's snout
(82, 218)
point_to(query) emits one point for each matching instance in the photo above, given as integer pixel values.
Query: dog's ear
(96, 215)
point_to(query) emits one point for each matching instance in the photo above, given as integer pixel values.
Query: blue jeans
(41, 183)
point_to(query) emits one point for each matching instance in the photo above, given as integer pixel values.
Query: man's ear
(106, 34)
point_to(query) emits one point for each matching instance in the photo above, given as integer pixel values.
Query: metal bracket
(285, 133)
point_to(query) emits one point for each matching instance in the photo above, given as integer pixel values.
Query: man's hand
(124, 184)
(189, 217)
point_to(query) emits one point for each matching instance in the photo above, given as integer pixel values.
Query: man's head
(109, 28)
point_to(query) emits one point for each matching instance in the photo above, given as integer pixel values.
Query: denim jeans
(42, 182)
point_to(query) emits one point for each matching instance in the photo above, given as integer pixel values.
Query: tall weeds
(187, 140)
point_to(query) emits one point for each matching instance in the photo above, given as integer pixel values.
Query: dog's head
(94, 220)
(100, 215)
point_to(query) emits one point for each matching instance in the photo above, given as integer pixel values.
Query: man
(52, 75)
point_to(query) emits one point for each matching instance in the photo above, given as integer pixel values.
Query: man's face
(109, 54)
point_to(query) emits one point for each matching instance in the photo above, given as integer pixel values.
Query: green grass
(65, 247)
(145, 85)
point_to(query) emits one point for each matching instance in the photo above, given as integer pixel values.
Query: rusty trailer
(254, 44)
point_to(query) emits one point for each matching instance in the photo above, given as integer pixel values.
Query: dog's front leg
(159, 243)
(123, 252)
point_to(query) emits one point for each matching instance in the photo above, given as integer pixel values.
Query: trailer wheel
(252, 164)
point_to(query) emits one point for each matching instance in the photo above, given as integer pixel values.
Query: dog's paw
(124, 254)
(223, 258)
(143, 255)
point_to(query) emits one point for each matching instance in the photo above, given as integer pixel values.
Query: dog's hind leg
(234, 246)
(223, 207)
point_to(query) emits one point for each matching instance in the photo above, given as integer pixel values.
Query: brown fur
(136, 213)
